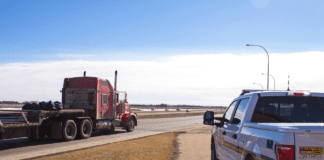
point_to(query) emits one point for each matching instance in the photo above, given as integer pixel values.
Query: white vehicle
(270, 125)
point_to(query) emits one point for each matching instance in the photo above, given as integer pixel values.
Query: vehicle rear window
(289, 109)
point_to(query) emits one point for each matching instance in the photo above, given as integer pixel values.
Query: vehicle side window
(238, 116)
(229, 112)
(105, 82)
(104, 99)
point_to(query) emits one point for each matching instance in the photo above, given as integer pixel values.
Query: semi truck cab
(100, 101)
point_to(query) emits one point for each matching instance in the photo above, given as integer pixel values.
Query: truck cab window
(238, 117)
(121, 96)
(104, 99)
(105, 83)
(229, 112)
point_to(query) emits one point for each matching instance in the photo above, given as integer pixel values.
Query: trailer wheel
(85, 129)
(130, 125)
(69, 130)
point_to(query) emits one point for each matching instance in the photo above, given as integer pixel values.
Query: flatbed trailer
(33, 118)
(89, 104)
(35, 123)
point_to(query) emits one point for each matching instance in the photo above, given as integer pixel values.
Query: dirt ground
(186, 144)
(195, 143)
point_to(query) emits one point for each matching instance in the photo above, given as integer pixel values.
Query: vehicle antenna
(288, 84)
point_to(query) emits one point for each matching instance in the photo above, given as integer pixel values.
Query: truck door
(221, 145)
(232, 136)
(106, 110)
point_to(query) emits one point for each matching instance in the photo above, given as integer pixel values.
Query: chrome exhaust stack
(115, 96)
(115, 89)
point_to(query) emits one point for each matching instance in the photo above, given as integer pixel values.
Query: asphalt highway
(22, 148)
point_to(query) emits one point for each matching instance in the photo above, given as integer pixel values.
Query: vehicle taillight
(298, 93)
(284, 152)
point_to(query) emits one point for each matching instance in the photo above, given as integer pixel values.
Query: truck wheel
(130, 125)
(249, 157)
(69, 130)
(213, 152)
(85, 129)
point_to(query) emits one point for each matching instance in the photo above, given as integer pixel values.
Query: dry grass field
(159, 147)
(190, 143)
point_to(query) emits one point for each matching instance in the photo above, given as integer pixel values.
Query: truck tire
(213, 151)
(130, 125)
(249, 157)
(85, 129)
(69, 130)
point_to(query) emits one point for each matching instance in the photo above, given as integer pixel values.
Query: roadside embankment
(159, 147)
(188, 143)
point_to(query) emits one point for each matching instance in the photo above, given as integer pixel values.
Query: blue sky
(157, 33)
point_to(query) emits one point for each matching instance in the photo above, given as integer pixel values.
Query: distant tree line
(162, 105)
(9, 102)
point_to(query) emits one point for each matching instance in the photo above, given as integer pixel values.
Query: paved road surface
(23, 148)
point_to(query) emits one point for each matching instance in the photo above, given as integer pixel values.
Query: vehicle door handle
(234, 136)
(224, 132)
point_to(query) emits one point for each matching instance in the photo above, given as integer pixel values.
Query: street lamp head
(247, 45)
(262, 74)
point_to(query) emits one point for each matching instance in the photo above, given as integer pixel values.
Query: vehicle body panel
(259, 139)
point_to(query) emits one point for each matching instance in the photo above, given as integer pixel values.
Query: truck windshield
(289, 109)
(122, 96)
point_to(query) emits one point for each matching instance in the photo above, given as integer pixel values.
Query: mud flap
(33, 132)
(56, 130)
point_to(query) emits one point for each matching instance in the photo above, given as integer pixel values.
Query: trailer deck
(32, 118)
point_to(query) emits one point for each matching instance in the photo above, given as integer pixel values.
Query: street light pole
(268, 63)
(259, 84)
(274, 82)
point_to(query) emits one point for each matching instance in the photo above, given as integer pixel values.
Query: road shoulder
(193, 143)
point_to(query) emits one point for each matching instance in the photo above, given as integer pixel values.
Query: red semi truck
(89, 104)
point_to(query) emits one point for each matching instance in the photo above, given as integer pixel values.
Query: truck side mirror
(236, 121)
(209, 118)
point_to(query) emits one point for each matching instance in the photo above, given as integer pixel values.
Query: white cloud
(207, 79)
